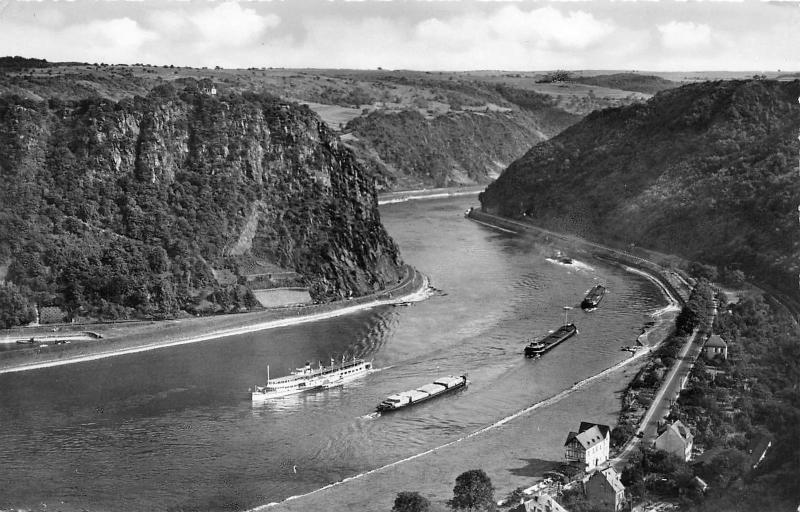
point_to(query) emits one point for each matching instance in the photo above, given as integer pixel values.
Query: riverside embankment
(115, 339)
(676, 284)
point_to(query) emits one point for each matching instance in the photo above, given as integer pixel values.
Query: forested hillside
(153, 205)
(409, 129)
(450, 150)
(707, 171)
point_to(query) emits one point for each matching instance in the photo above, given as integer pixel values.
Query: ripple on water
(176, 426)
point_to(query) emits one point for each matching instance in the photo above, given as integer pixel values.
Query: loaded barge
(538, 348)
(593, 298)
(438, 387)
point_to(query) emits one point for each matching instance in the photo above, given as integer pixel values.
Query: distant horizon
(411, 70)
(438, 35)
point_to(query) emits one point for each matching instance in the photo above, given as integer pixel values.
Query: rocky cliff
(707, 171)
(138, 207)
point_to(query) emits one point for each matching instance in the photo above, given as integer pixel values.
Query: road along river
(174, 427)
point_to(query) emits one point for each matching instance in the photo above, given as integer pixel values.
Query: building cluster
(587, 453)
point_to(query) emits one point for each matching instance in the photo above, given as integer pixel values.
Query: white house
(589, 445)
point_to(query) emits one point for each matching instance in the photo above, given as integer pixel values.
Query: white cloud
(114, 40)
(548, 26)
(445, 36)
(225, 25)
(508, 37)
(684, 35)
(229, 24)
(538, 28)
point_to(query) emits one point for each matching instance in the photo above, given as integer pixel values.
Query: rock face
(111, 208)
(707, 171)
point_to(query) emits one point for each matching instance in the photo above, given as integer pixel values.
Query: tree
(703, 271)
(515, 497)
(408, 501)
(473, 491)
(14, 307)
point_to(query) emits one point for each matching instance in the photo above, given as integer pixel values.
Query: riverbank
(118, 339)
(502, 449)
(676, 283)
(428, 193)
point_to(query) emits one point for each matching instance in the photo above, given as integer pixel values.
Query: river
(174, 428)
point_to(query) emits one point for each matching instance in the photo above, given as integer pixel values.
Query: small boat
(593, 298)
(26, 342)
(438, 387)
(540, 347)
(562, 258)
(308, 379)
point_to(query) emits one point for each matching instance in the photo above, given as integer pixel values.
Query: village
(592, 474)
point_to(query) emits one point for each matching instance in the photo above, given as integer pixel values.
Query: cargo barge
(593, 298)
(438, 387)
(538, 348)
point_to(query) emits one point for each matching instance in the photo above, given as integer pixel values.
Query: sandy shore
(129, 338)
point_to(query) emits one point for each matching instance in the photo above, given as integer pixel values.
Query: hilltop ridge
(409, 129)
(706, 171)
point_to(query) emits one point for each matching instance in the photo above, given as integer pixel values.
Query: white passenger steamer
(308, 379)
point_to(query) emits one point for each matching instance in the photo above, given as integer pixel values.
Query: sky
(433, 35)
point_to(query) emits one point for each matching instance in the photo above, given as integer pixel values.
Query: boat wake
(553, 399)
(578, 265)
(370, 416)
(375, 370)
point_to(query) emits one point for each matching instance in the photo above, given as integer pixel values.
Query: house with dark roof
(605, 490)
(588, 446)
(715, 347)
(677, 440)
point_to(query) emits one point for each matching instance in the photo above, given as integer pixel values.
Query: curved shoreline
(673, 306)
(497, 424)
(384, 297)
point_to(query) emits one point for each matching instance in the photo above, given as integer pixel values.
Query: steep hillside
(476, 122)
(156, 204)
(707, 171)
(449, 150)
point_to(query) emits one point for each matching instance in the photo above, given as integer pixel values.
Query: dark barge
(538, 348)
